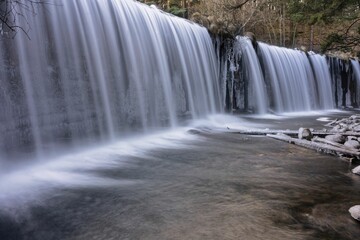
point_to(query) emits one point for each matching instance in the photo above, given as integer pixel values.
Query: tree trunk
(311, 37)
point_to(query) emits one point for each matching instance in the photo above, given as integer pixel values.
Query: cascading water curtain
(265, 78)
(101, 69)
(246, 88)
(295, 81)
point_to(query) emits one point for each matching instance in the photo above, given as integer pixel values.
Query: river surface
(207, 183)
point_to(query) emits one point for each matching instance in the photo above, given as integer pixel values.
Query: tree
(339, 17)
(175, 7)
(321, 25)
(11, 11)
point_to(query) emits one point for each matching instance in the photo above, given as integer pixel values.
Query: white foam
(35, 182)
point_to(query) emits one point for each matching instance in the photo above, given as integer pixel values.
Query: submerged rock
(356, 170)
(355, 212)
(338, 138)
(193, 131)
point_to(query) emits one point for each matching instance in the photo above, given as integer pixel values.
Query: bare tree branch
(12, 13)
(238, 5)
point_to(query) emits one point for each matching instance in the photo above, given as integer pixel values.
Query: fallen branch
(267, 131)
(335, 144)
(320, 147)
(293, 133)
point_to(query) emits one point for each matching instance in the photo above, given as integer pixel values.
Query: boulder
(352, 144)
(351, 138)
(305, 133)
(355, 212)
(338, 138)
(356, 128)
(355, 117)
(356, 170)
(214, 28)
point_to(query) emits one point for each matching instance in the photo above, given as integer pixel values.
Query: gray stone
(356, 170)
(336, 128)
(340, 128)
(305, 133)
(356, 116)
(355, 212)
(338, 138)
(351, 138)
(352, 144)
(356, 129)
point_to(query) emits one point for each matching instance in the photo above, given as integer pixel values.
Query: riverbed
(209, 184)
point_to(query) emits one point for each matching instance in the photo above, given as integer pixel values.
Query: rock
(231, 28)
(195, 17)
(193, 131)
(355, 212)
(342, 130)
(352, 144)
(356, 170)
(305, 133)
(351, 138)
(354, 117)
(332, 123)
(252, 38)
(214, 28)
(336, 128)
(303, 48)
(356, 129)
(336, 138)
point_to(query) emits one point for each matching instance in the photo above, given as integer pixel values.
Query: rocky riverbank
(340, 137)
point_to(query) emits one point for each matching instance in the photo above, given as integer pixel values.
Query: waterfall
(297, 82)
(256, 90)
(323, 82)
(290, 78)
(101, 70)
(262, 78)
(356, 83)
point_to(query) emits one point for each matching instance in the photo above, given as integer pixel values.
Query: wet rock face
(355, 212)
(216, 26)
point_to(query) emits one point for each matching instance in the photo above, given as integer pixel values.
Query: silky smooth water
(324, 99)
(265, 78)
(295, 82)
(356, 74)
(101, 70)
(257, 93)
(207, 183)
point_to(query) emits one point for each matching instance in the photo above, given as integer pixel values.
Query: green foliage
(322, 11)
(339, 17)
(333, 38)
(150, 3)
(178, 11)
(297, 17)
